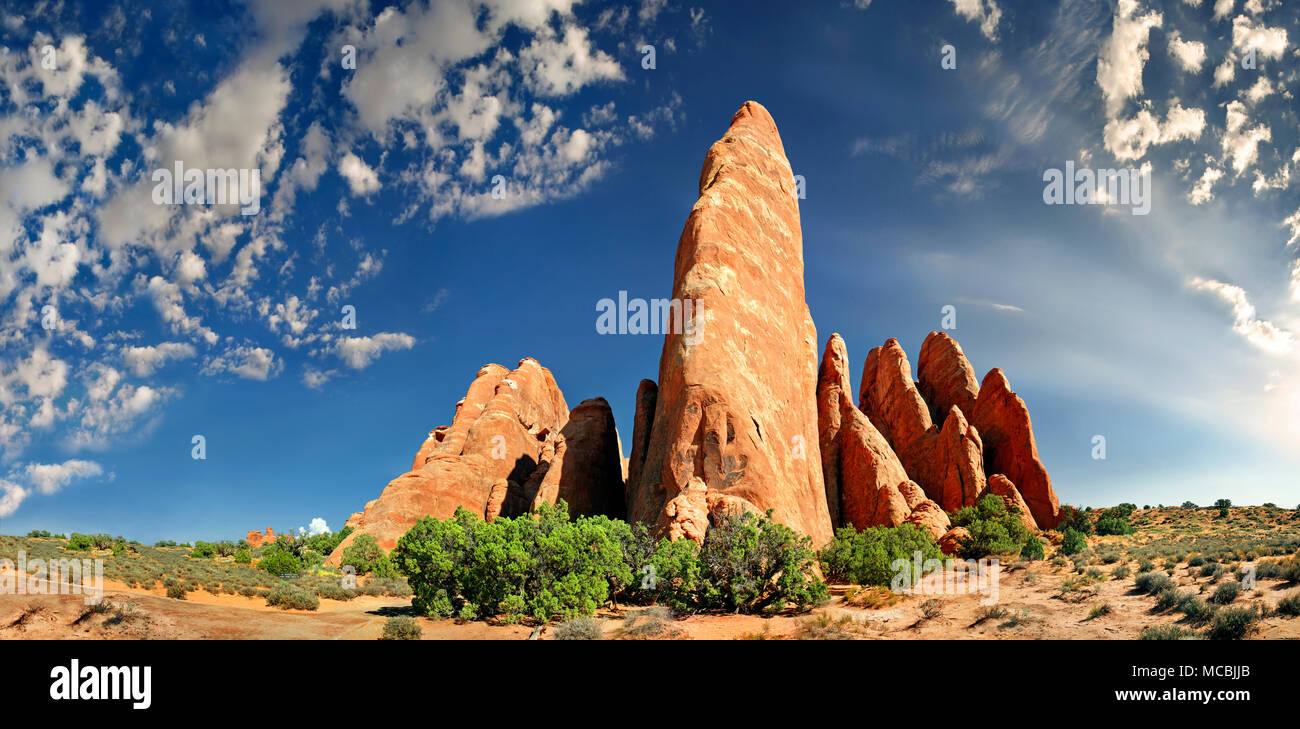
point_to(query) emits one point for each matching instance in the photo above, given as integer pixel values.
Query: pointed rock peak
(835, 364)
(995, 381)
(945, 376)
(754, 115)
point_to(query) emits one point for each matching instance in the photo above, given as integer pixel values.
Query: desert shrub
(203, 550)
(1099, 610)
(1120, 572)
(279, 561)
(1197, 610)
(1190, 505)
(653, 622)
(327, 542)
(1151, 583)
(334, 591)
(868, 557)
(1033, 550)
(580, 628)
(80, 543)
(1146, 565)
(285, 596)
(994, 528)
(367, 557)
(401, 627)
(1289, 605)
(750, 563)
(1196, 561)
(1167, 632)
(243, 557)
(1073, 518)
(176, 591)
(539, 564)
(1226, 593)
(1233, 623)
(1073, 542)
(38, 534)
(1170, 599)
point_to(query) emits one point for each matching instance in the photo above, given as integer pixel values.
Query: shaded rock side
(889, 397)
(735, 419)
(1009, 447)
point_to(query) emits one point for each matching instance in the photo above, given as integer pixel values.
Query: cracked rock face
(735, 422)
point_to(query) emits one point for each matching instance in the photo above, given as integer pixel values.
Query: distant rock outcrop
(257, 539)
(512, 444)
(735, 421)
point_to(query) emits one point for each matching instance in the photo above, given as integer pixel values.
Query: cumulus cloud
(1189, 54)
(11, 497)
(48, 478)
(1124, 55)
(360, 352)
(249, 363)
(144, 361)
(361, 179)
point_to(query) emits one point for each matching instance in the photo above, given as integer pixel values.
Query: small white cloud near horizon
(49, 478)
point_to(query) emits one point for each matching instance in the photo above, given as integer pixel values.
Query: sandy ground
(1034, 609)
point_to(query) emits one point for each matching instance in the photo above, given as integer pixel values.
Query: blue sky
(1171, 334)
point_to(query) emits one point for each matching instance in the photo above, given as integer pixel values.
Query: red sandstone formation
(946, 377)
(735, 422)
(257, 539)
(510, 446)
(1009, 448)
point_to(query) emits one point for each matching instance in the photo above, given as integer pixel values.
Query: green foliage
(994, 528)
(1072, 518)
(1033, 550)
(868, 557)
(1074, 542)
(750, 564)
(540, 564)
(278, 561)
(80, 543)
(243, 557)
(1233, 623)
(1120, 572)
(1115, 521)
(1226, 593)
(1152, 583)
(1190, 505)
(544, 566)
(176, 591)
(285, 596)
(1289, 605)
(401, 627)
(38, 534)
(203, 550)
(366, 556)
(1223, 503)
(327, 542)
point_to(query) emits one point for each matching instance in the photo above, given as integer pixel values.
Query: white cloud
(250, 363)
(1203, 191)
(1130, 139)
(144, 361)
(359, 352)
(985, 12)
(361, 179)
(11, 496)
(1241, 141)
(48, 478)
(1124, 54)
(316, 527)
(1189, 54)
(1261, 333)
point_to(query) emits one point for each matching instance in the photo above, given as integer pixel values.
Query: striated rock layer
(735, 421)
(512, 444)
